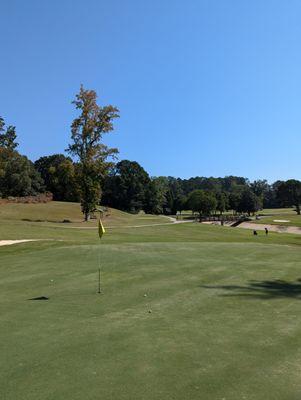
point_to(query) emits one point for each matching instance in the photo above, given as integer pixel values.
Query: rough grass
(57, 212)
(224, 321)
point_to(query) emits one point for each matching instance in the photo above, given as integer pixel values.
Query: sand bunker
(281, 220)
(10, 242)
(272, 228)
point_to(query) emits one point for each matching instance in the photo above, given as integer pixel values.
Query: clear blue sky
(204, 87)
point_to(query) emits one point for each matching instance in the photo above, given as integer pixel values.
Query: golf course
(186, 311)
(150, 200)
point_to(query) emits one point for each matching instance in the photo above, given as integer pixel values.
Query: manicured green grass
(224, 321)
(277, 211)
(272, 216)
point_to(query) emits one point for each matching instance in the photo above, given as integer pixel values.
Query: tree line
(90, 174)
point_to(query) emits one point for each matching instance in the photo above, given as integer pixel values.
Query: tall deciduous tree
(222, 202)
(249, 202)
(155, 195)
(7, 136)
(174, 196)
(95, 158)
(289, 193)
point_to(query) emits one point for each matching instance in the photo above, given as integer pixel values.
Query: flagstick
(101, 231)
(99, 291)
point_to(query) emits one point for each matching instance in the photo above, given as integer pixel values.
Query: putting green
(187, 312)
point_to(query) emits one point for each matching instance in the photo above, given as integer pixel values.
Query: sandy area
(272, 228)
(260, 227)
(10, 242)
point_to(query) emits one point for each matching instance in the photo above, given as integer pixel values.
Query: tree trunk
(298, 209)
(87, 216)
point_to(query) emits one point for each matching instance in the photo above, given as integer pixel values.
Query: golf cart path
(141, 226)
(172, 219)
(272, 228)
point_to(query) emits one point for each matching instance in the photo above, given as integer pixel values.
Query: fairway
(280, 216)
(187, 312)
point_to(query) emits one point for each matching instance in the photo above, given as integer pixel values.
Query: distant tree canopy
(126, 186)
(222, 199)
(289, 193)
(93, 176)
(156, 196)
(202, 201)
(129, 187)
(248, 202)
(18, 177)
(227, 184)
(175, 198)
(59, 175)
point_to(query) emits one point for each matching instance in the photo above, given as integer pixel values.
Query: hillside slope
(57, 212)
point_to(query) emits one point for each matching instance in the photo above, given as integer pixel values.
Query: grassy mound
(57, 212)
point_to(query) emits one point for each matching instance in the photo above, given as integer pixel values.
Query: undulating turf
(45, 214)
(280, 216)
(186, 312)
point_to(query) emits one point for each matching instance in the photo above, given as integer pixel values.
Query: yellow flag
(101, 229)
